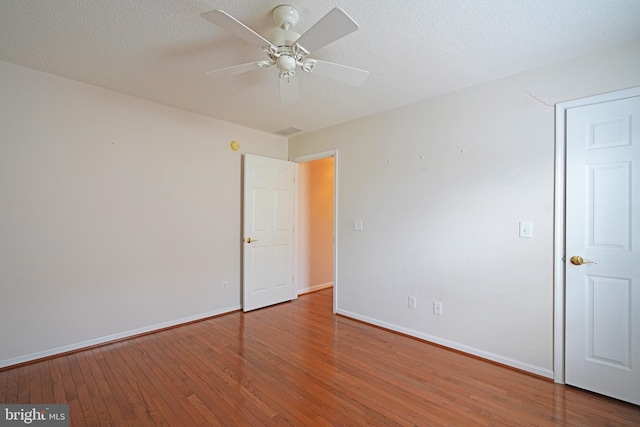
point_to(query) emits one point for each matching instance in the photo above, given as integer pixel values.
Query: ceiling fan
(289, 51)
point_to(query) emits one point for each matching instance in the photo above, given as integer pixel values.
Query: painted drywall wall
(440, 186)
(118, 214)
(314, 245)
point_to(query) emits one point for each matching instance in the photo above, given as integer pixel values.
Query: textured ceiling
(414, 49)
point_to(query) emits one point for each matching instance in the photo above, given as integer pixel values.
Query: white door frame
(318, 156)
(559, 219)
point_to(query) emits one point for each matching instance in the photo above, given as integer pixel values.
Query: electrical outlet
(437, 308)
(412, 302)
(357, 224)
(225, 286)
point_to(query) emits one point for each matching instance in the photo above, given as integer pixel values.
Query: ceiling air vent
(288, 131)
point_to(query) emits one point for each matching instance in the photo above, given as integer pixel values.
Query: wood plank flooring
(297, 364)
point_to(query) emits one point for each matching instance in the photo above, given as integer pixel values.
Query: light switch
(526, 229)
(357, 224)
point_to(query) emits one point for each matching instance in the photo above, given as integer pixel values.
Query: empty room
(314, 213)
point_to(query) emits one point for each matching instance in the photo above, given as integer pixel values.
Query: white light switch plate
(526, 229)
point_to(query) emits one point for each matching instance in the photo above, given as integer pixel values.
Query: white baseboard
(543, 372)
(523, 366)
(97, 341)
(315, 288)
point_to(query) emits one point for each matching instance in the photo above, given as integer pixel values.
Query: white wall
(314, 244)
(118, 215)
(440, 186)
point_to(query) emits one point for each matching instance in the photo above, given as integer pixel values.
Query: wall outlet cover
(437, 308)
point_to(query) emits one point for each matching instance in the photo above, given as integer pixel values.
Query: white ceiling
(414, 49)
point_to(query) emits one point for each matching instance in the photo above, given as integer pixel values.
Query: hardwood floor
(297, 364)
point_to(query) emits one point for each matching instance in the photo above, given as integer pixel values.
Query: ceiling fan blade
(236, 69)
(342, 73)
(289, 89)
(235, 27)
(333, 26)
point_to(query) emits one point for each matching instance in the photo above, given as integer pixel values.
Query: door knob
(250, 240)
(578, 260)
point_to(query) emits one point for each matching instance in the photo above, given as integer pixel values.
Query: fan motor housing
(283, 38)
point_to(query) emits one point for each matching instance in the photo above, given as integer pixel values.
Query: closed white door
(268, 239)
(602, 337)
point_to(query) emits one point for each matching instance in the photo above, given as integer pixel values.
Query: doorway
(316, 223)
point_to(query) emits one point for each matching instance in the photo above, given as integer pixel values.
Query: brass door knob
(250, 240)
(578, 260)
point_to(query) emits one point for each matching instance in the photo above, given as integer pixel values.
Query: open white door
(602, 312)
(268, 239)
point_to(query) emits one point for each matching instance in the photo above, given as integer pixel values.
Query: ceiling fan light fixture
(286, 63)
